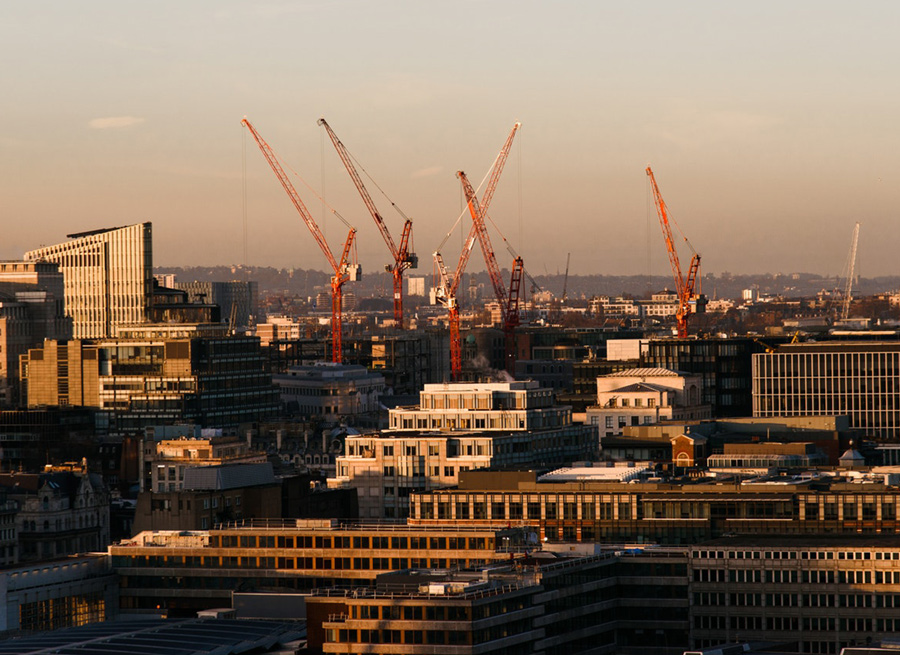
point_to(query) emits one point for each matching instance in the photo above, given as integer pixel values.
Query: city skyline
(768, 127)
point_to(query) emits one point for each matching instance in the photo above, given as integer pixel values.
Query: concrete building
(155, 374)
(31, 309)
(643, 396)
(280, 328)
(819, 594)
(859, 380)
(458, 427)
(165, 462)
(238, 298)
(58, 593)
(332, 392)
(107, 277)
(202, 569)
(602, 504)
(724, 367)
(210, 495)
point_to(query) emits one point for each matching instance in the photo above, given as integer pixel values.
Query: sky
(771, 128)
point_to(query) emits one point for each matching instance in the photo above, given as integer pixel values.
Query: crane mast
(685, 290)
(848, 291)
(509, 301)
(343, 270)
(446, 296)
(403, 259)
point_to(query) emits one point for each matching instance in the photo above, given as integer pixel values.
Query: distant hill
(307, 282)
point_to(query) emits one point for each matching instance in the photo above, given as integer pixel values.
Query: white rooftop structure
(620, 472)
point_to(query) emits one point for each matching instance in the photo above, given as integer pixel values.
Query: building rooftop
(621, 472)
(228, 476)
(163, 636)
(646, 373)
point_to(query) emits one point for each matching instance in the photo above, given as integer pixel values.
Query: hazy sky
(771, 126)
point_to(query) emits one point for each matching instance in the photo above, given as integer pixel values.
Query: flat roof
(162, 637)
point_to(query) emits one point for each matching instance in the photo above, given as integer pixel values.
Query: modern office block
(107, 277)
(859, 380)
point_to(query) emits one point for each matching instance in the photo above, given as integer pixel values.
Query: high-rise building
(107, 277)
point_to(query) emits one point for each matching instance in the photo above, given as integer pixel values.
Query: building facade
(164, 462)
(459, 427)
(859, 380)
(724, 367)
(601, 506)
(329, 391)
(107, 277)
(31, 309)
(643, 396)
(235, 298)
(60, 593)
(821, 594)
(155, 375)
(183, 572)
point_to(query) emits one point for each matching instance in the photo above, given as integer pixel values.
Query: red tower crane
(509, 301)
(343, 270)
(684, 288)
(403, 259)
(446, 295)
(448, 285)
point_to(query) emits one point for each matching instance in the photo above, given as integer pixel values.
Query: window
(388, 471)
(448, 472)
(625, 402)
(609, 421)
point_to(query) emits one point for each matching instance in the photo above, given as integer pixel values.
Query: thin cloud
(115, 122)
(427, 172)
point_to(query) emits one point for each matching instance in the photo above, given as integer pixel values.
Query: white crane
(851, 269)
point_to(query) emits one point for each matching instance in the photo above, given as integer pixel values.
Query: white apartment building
(458, 427)
(107, 277)
(661, 305)
(643, 396)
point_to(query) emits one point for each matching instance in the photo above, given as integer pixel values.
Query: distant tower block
(415, 286)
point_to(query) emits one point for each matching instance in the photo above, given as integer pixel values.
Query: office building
(107, 277)
(458, 427)
(556, 602)
(235, 299)
(183, 572)
(59, 593)
(633, 503)
(724, 367)
(154, 375)
(331, 392)
(859, 380)
(164, 462)
(816, 594)
(31, 310)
